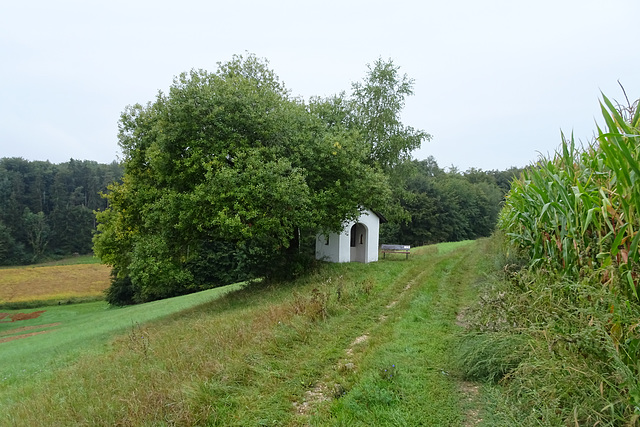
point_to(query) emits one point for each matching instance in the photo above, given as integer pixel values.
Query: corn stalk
(579, 211)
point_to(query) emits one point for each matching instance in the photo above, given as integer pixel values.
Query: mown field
(351, 344)
(74, 278)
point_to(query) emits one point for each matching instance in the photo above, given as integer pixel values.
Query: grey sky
(495, 81)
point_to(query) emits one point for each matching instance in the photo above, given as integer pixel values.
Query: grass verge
(352, 344)
(554, 351)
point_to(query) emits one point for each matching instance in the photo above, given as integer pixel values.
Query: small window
(361, 239)
(326, 240)
(353, 235)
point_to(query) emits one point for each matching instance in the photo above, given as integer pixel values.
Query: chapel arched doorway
(358, 235)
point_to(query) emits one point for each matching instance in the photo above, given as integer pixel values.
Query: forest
(446, 205)
(47, 210)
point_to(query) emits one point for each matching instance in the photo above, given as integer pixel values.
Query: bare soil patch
(15, 317)
(312, 397)
(17, 337)
(9, 334)
(360, 339)
(471, 392)
(28, 328)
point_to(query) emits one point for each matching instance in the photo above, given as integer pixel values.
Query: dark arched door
(358, 234)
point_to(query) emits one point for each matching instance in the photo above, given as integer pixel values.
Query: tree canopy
(230, 163)
(448, 205)
(377, 103)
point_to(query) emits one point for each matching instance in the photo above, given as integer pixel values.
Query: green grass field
(351, 344)
(78, 328)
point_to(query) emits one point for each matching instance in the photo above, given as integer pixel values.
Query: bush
(217, 264)
(121, 291)
(491, 356)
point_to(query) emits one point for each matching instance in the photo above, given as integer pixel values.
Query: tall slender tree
(378, 102)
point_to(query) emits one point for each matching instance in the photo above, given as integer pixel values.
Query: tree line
(47, 210)
(448, 205)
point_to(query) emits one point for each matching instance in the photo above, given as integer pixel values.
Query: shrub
(121, 291)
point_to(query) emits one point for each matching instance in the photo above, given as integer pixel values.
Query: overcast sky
(495, 81)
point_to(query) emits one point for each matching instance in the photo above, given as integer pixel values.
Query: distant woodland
(447, 205)
(47, 210)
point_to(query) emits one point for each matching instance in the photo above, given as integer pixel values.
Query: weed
(138, 340)
(366, 286)
(562, 351)
(318, 305)
(491, 356)
(388, 373)
(339, 291)
(299, 303)
(314, 306)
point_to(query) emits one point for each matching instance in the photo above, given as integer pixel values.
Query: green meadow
(350, 344)
(72, 330)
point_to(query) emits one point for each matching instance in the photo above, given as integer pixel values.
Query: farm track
(27, 328)
(442, 276)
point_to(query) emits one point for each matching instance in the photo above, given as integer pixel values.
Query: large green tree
(228, 162)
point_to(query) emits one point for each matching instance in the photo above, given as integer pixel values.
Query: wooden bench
(395, 249)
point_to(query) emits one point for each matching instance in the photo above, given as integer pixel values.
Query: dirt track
(17, 337)
(21, 316)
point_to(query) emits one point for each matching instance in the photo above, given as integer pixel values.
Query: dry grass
(44, 283)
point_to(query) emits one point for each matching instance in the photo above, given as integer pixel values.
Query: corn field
(573, 221)
(579, 212)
